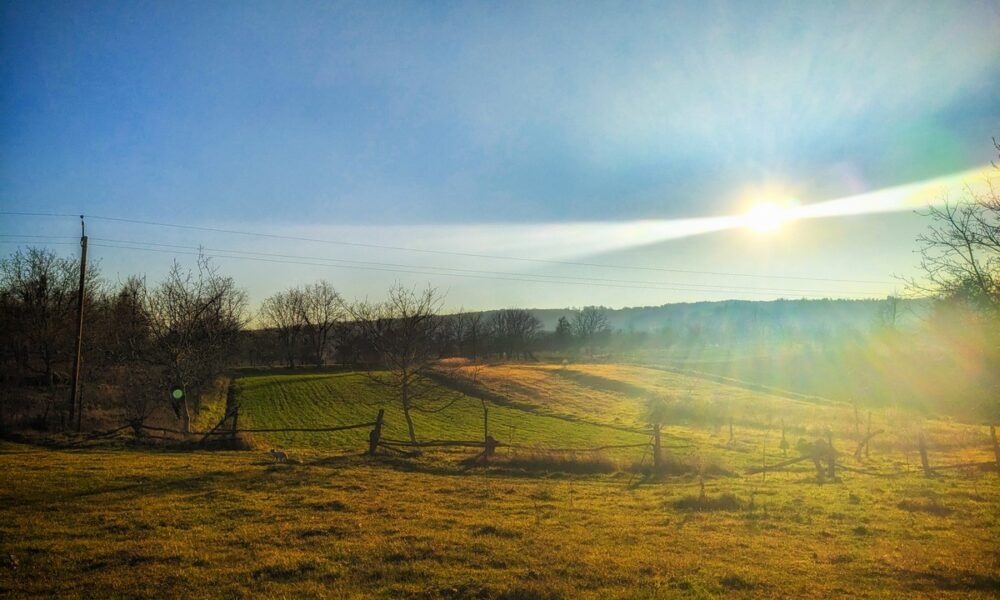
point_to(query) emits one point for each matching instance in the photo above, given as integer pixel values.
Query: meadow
(113, 519)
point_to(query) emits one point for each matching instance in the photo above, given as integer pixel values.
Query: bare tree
(39, 290)
(514, 332)
(285, 313)
(401, 330)
(446, 336)
(195, 318)
(322, 308)
(960, 251)
(123, 337)
(591, 328)
(960, 260)
(470, 331)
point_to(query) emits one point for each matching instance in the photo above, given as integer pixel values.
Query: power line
(442, 252)
(49, 237)
(470, 276)
(36, 214)
(478, 271)
(454, 271)
(20, 242)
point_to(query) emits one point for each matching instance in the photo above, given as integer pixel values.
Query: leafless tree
(38, 291)
(591, 328)
(285, 313)
(121, 347)
(322, 308)
(960, 251)
(470, 331)
(194, 319)
(401, 330)
(960, 260)
(514, 332)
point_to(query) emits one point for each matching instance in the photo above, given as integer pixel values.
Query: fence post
(922, 446)
(869, 440)
(489, 444)
(763, 459)
(236, 417)
(996, 445)
(832, 456)
(489, 448)
(657, 458)
(376, 433)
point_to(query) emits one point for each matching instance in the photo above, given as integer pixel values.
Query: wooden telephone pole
(75, 406)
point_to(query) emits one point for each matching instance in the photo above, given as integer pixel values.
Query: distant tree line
(140, 339)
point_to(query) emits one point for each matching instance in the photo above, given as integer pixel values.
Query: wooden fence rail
(436, 443)
(591, 449)
(822, 452)
(479, 444)
(270, 430)
(829, 455)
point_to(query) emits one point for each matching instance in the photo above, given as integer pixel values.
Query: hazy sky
(567, 131)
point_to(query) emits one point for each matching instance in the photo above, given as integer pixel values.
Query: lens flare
(766, 217)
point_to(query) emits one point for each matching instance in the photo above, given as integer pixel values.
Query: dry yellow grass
(115, 522)
(118, 523)
(614, 394)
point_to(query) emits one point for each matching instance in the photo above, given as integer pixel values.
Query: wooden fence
(231, 418)
(827, 460)
(822, 453)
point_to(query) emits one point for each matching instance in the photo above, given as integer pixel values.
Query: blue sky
(398, 121)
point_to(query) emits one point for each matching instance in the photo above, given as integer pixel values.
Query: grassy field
(126, 523)
(311, 400)
(117, 521)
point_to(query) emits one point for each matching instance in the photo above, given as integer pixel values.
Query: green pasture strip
(316, 400)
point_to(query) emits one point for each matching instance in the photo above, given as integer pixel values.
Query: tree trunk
(406, 412)
(185, 415)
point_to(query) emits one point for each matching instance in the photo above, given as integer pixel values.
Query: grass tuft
(723, 502)
(494, 531)
(560, 462)
(930, 506)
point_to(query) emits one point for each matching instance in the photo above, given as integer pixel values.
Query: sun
(765, 217)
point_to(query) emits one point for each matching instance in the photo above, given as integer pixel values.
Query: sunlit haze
(695, 139)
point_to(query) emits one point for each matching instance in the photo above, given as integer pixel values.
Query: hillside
(587, 405)
(739, 315)
(275, 401)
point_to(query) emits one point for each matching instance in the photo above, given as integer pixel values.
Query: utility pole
(75, 406)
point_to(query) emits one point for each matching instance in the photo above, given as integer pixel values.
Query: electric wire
(424, 272)
(439, 252)
(475, 271)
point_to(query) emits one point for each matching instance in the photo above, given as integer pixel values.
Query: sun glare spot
(765, 217)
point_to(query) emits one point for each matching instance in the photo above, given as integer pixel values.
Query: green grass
(586, 406)
(314, 400)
